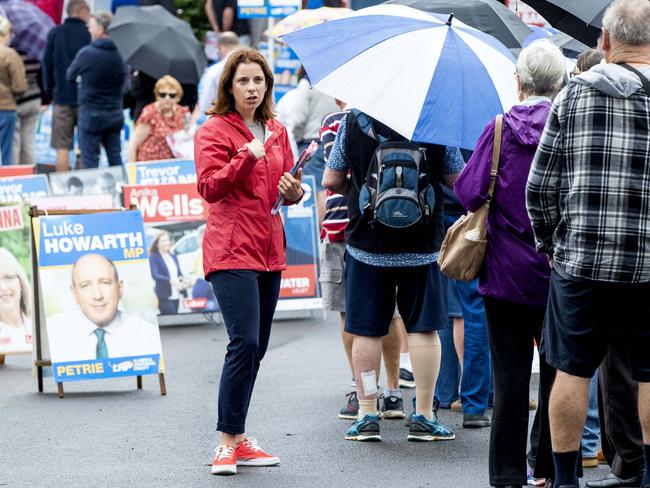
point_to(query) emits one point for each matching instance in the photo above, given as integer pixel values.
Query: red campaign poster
(167, 203)
(9, 171)
(298, 281)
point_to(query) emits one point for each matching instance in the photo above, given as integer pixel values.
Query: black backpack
(397, 192)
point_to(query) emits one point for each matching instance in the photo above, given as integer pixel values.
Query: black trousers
(247, 300)
(621, 435)
(512, 328)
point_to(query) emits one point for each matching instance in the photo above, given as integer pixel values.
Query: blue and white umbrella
(428, 77)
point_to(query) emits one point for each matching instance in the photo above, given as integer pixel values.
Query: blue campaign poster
(167, 172)
(23, 187)
(300, 280)
(248, 9)
(98, 297)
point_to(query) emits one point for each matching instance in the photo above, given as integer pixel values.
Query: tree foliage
(193, 11)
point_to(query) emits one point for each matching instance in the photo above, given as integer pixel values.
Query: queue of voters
(465, 198)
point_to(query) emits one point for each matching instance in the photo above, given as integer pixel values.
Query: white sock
(389, 393)
(405, 361)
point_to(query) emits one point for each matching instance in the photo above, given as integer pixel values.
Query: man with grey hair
(102, 73)
(63, 43)
(588, 199)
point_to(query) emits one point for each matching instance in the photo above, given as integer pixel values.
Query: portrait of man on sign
(98, 329)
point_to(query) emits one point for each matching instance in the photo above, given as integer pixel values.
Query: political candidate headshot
(97, 288)
(99, 329)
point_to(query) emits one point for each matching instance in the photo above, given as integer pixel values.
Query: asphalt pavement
(109, 434)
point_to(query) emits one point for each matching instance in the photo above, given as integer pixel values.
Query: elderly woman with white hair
(514, 278)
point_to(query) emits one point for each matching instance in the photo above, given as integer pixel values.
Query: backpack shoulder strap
(366, 126)
(496, 154)
(644, 80)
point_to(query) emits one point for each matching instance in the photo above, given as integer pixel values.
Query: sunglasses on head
(167, 94)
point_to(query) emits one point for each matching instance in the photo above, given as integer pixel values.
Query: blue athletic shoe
(365, 430)
(423, 430)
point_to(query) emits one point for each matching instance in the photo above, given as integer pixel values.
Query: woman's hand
(290, 187)
(256, 148)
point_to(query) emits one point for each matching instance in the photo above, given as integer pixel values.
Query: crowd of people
(565, 172)
(566, 175)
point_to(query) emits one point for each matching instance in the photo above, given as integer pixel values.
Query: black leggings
(247, 300)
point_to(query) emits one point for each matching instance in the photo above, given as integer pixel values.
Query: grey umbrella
(488, 16)
(152, 40)
(570, 47)
(582, 20)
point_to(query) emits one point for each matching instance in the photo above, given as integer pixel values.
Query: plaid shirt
(588, 192)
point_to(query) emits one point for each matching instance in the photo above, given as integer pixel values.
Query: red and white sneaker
(250, 454)
(225, 460)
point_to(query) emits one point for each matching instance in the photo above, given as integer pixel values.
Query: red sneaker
(249, 454)
(225, 460)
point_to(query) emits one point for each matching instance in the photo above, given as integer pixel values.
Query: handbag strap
(496, 154)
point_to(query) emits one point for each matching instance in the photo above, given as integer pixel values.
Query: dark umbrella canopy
(570, 47)
(488, 16)
(152, 40)
(582, 20)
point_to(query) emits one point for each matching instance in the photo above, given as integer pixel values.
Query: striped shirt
(336, 205)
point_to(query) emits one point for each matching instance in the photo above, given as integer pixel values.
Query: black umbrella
(581, 20)
(570, 47)
(152, 40)
(488, 16)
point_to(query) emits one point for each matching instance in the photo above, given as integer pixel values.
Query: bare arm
(209, 12)
(336, 181)
(227, 18)
(141, 132)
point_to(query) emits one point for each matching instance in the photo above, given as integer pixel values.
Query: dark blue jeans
(7, 126)
(100, 128)
(247, 300)
(476, 382)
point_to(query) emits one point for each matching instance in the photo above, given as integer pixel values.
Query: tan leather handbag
(463, 249)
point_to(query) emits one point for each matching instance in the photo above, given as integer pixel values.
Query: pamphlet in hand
(304, 158)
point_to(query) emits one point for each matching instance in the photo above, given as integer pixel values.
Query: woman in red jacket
(242, 159)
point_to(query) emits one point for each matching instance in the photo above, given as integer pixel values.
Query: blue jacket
(160, 274)
(63, 43)
(102, 74)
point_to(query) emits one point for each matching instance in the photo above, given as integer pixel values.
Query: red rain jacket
(241, 191)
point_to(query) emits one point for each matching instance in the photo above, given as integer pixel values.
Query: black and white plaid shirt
(588, 192)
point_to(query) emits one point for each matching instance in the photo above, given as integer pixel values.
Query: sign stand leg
(59, 387)
(163, 387)
(39, 374)
(2, 358)
(139, 382)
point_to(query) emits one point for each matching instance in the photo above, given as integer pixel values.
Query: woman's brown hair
(225, 101)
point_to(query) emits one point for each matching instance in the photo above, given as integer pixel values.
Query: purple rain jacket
(512, 270)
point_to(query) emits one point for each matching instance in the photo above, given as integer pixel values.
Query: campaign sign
(90, 182)
(300, 280)
(98, 296)
(287, 65)
(167, 203)
(15, 280)
(74, 202)
(23, 188)
(166, 172)
(247, 9)
(10, 170)
(175, 218)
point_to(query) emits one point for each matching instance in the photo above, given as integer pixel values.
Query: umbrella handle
(451, 16)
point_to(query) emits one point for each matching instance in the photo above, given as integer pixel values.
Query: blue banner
(249, 9)
(22, 188)
(106, 368)
(162, 172)
(119, 236)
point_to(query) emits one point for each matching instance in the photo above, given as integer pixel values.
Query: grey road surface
(108, 434)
